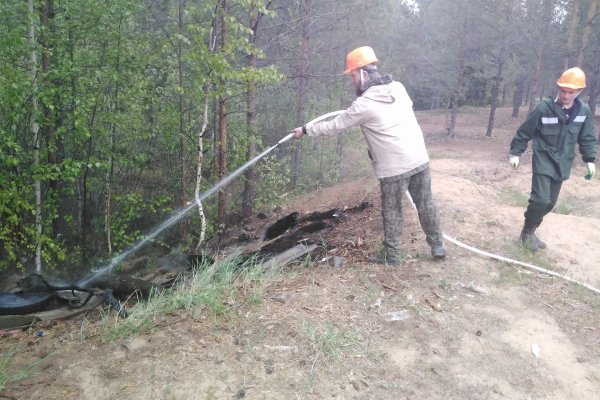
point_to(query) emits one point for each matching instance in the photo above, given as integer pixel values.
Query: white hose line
(324, 117)
(314, 121)
(522, 264)
(508, 260)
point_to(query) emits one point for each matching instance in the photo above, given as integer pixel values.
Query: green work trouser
(392, 192)
(543, 198)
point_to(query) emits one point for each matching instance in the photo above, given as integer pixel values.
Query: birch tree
(35, 131)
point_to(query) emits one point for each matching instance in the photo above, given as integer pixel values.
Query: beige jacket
(393, 135)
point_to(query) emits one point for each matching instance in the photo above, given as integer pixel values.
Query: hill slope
(468, 327)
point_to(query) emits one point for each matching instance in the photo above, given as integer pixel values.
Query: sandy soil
(468, 327)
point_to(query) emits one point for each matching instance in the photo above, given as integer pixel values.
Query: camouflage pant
(392, 192)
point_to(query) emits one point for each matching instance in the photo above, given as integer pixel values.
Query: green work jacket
(555, 137)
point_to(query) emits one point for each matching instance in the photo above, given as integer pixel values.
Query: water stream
(106, 269)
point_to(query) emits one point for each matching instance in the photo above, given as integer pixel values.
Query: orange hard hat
(573, 78)
(359, 58)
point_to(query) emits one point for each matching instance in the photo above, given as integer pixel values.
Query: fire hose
(510, 261)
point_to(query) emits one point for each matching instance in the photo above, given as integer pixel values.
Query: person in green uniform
(555, 127)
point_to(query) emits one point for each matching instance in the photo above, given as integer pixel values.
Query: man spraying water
(396, 148)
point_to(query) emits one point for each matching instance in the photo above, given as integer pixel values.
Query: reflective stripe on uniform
(546, 120)
(579, 118)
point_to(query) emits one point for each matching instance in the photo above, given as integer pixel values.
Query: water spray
(179, 214)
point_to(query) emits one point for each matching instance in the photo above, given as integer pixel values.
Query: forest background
(115, 114)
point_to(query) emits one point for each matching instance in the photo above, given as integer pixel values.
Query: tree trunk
(518, 96)
(82, 193)
(305, 7)
(455, 96)
(249, 193)
(182, 163)
(594, 89)
(35, 132)
(572, 33)
(200, 155)
(222, 167)
(112, 143)
(527, 92)
(543, 39)
(586, 31)
(495, 90)
(435, 100)
(48, 123)
(500, 61)
(199, 162)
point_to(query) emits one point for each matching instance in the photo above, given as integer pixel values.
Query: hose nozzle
(285, 139)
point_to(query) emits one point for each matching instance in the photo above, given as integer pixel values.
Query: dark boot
(529, 239)
(540, 242)
(384, 257)
(438, 251)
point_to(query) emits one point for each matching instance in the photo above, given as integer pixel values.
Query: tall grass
(215, 288)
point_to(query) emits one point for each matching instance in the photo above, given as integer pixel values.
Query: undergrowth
(225, 285)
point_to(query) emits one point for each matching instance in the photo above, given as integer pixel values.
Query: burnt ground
(468, 327)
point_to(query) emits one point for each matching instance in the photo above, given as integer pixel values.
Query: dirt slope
(468, 327)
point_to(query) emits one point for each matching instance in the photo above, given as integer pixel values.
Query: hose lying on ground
(508, 260)
(522, 264)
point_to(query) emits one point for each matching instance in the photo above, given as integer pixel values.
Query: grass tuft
(217, 288)
(563, 208)
(513, 198)
(329, 342)
(9, 373)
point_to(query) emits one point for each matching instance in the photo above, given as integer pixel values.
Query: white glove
(514, 161)
(591, 167)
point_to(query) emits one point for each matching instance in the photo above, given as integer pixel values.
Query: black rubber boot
(528, 238)
(540, 242)
(438, 251)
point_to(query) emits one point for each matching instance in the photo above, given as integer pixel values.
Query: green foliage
(108, 106)
(18, 234)
(134, 215)
(275, 176)
(15, 238)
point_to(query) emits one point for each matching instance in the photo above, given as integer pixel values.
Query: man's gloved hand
(591, 168)
(514, 161)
